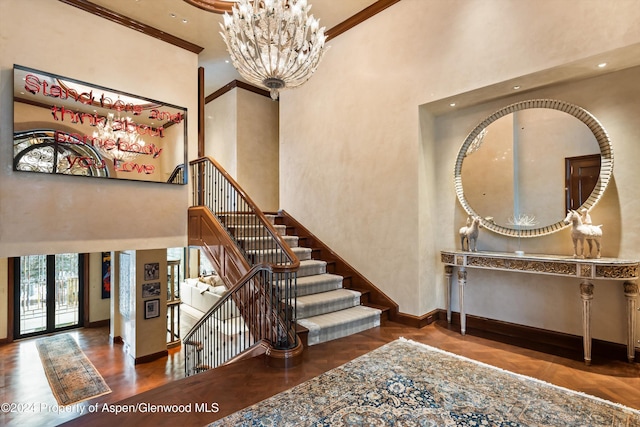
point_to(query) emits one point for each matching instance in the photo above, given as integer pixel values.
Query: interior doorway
(49, 293)
(581, 178)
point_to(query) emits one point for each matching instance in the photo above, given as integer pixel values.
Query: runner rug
(405, 383)
(72, 377)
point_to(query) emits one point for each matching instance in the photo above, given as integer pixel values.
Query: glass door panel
(67, 283)
(33, 294)
(48, 293)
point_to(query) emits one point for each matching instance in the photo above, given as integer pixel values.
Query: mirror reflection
(521, 169)
(64, 126)
(517, 174)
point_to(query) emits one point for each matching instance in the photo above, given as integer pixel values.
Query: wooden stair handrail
(293, 259)
(229, 294)
(249, 280)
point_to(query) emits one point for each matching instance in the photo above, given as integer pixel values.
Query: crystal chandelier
(274, 43)
(117, 139)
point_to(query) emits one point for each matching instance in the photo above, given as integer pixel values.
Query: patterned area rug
(72, 377)
(405, 383)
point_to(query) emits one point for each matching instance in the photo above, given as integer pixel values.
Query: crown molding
(359, 17)
(105, 13)
(220, 6)
(216, 6)
(236, 84)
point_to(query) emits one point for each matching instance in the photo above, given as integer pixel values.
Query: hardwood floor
(227, 389)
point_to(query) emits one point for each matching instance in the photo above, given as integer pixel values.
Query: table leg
(586, 293)
(631, 293)
(448, 271)
(462, 280)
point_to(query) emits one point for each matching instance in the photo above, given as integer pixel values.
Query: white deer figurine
(581, 232)
(470, 234)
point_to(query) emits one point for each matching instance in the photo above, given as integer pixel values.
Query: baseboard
(417, 321)
(98, 324)
(151, 357)
(117, 340)
(542, 340)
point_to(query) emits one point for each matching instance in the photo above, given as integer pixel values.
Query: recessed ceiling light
(453, 104)
(173, 15)
(184, 21)
(516, 87)
(602, 65)
(226, 61)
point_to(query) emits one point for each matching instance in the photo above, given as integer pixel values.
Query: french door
(48, 293)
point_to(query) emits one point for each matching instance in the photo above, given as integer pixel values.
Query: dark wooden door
(581, 178)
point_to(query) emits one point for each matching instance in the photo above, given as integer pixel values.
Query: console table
(584, 270)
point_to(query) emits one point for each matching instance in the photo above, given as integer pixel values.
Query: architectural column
(631, 293)
(586, 293)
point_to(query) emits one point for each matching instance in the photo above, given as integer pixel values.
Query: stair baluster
(259, 307)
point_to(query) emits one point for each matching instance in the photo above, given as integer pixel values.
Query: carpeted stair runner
(319, 283)
(338, 324)
(312, 267)
(326, 309)
(316, 304)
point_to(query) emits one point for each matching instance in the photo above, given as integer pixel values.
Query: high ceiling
(200, 27)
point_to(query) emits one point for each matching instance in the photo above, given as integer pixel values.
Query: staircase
(325, 309)
(268, 272)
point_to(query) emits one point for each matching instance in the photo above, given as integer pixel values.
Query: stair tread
(333, 295)
(249, 226)
(362, 291)
(338, 324)
(318, 283)
(311, 267)
(314, 261)
(257, 238)
(378, 306)
(338, 317)
(306, 280)
(326, 302)
(263, 241)
(273, 250)
(303, 254)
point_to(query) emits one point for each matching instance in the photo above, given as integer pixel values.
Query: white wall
(242, 135)
(43, 214)
(354, 167)
(221, 132)
(150, 334)
(258, 148)
(55, 214)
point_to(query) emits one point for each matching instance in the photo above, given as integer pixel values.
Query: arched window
(37, 150)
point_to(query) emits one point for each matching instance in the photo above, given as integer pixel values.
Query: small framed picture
(152, 308)
(152, 271)
(150, 290)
